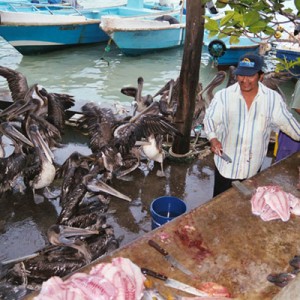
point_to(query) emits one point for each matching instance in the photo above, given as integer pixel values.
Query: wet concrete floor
(24, 221)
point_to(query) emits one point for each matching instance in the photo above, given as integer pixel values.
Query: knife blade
(225, 157)
(169, 258)
(174, 283)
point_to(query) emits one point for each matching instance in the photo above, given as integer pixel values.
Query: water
(89, 73)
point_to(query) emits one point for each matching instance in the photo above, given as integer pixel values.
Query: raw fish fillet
(258, 201)
(271, 203)
(278, 200)
(119, 280)
(269, 214)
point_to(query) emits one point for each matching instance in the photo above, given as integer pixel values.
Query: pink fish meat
(271, 203)
(258, 201)
(278, 200)
(119, 280)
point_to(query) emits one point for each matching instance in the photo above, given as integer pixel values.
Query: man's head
(249, 72)
(249, 64)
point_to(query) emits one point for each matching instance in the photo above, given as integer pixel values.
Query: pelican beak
(100, 186)
(21, 110)
(67, 231)
(39, 142)
(9, 130)
(60, 233)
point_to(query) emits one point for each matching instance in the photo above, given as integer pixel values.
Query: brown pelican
(203, 99)
(146, 130)
(78, 180)
(100, 124)
(274, 79)
(41, 172)
(60, 235)
(231, 76)
(61, 260)
(169, 98)
(207, 93)
(46, 108)
(141, 102)
(13, 166)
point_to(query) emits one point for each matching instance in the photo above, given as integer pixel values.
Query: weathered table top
(223, 242)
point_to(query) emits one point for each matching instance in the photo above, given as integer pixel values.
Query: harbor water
(96, 73)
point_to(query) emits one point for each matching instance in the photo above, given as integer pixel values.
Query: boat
(140, 35)
(36, 28)
(222, 53)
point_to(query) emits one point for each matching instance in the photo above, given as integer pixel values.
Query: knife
(174, 283)
(226, 157)
(169, 258)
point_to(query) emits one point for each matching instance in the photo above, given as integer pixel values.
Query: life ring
(216, 48)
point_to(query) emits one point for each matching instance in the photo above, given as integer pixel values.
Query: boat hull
(141, 42)
(30, 40)
(137, 36)
(231, 56)
(222, 53)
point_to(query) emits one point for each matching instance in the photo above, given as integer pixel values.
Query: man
(239, 122)
(286, 145)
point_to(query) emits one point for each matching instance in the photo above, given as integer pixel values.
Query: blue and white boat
(36, 28)
(140, 35)
(223, 53)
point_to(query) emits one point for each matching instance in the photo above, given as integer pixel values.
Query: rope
(106, 49)
(190, 153)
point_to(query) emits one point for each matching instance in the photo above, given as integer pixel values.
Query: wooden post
(189, 74)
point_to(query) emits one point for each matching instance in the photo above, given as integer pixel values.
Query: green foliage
(259, 19)
(285, 65)
(251, 17)
(297, 4)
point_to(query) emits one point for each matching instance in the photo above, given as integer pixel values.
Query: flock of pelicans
(34, 123)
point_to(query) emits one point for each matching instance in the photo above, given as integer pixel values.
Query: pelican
(46, 108)
(169, 97)
(100, 124)
(13, 166)
(203, 99)
(207, 93)
(146, 130)
(60, 235)
(141, 102)
(231, 76)
(42, 172)
(61, 260)
(274, 79)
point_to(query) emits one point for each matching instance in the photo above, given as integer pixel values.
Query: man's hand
(216, 146)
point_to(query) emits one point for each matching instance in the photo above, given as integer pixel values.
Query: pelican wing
(17, 83)
(57, 105)
(99, 122)
(154, 124)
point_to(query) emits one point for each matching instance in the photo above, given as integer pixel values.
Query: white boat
(140, 35)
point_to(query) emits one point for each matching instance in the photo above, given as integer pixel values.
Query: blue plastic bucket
(165, 209)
